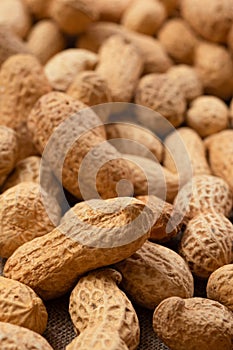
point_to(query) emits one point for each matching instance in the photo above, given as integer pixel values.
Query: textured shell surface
(96, 300)
(155, 273)
(8, 151)
(194, 324)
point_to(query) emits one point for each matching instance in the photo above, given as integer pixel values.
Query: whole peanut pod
(194, 324)
(92, 234)
(112, 313)
(20, 305)
(8, 152)
(16, 337)
(155, 273)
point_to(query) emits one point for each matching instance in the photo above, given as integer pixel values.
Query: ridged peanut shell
(206, 244)
(8, 152)
(92, 234)
(220, 284)
(155, 273)
(113, 310)
(20, 305)
(193, 324)
(13, 337)
(23, 216)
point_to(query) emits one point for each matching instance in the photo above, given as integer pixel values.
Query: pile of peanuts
(59, 58)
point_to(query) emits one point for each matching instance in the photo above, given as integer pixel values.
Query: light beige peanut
(145, 143)
(194, 324)
(144, 17)
(78, 127)
(45, 40)
(113, 311)
(155, 273)
(207, 243)
(40, 9)
(154, 54)
(219, 286)
(158, 92)
(20, 305)
(92, 234)
(220, 152)
(187, 79)
(8, 152)
(179, 40)
(149, 177)
(10, 44)
(97, 338)
(112, 11)
(211, 19)
(19, 20)
(214, 66)
(185, 154)
(16, 337)
(204, 192)
(168, 221)
(90, 88)
(15, 227)
(62, 68)
(73, 16)
(120, 64)
(22, 83)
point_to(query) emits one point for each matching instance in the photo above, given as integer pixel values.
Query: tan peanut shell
(170, 5)
(194, 324)
(185, 153)
(207, 243)
(18, 21)
(23, 216)
(219, 286)
(20, 338)
(112, 11)
(144, 17)
(231, 114)
(120, 64)
(230, 40)
(211, 19)
(178, 40)
(220, 150)
(62, 68)
(187, 79)
(45, 40)
(207, 115)
(22, 83)
(204, 192)
(208, 58)
(10, 44)
(90, 88)
(159, 93)
(149, 177)
(168, 221)
(155, 273)
(98, 338)
(113, 310)
(73, 16)
(154, 54)
(8, 152)
(20, 305)
(84, 127)
(40, 9)
(88, 238)
(143, 142)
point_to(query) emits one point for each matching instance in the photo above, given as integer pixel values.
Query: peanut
(194, 324)
(88, 238)
(207, 243)
(40, 9)
(8, 152)
(15, 228)
(155, 273)
(20, 305)
(15, 337)
(112, 313)
(64, 66)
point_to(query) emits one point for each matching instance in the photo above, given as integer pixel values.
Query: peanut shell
(92, 234)
(194, 324)
(112, 11)
(40, 9)
(155, 273)
(112, 313)
(8, 152)
(207, 243)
